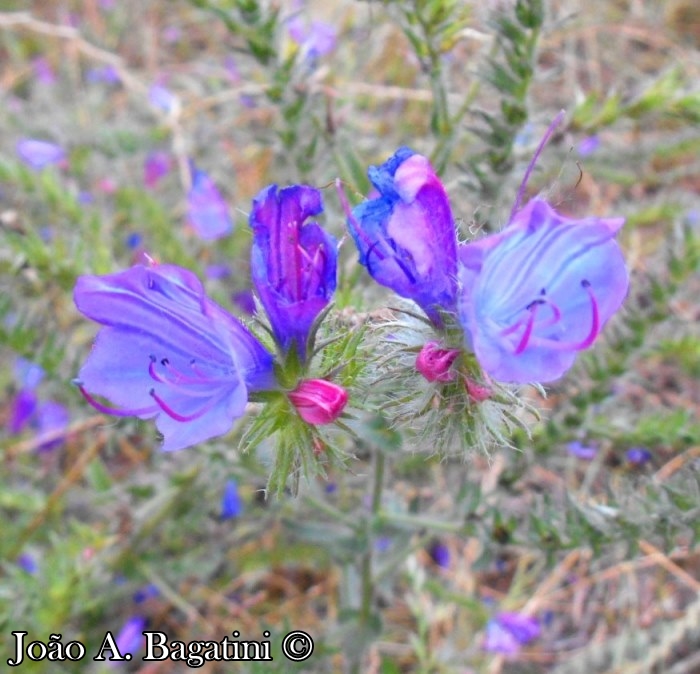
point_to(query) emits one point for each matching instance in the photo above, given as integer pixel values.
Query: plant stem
(367, 581)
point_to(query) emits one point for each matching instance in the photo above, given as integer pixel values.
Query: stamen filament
(181, 417)
(587, 341)
(115, 411)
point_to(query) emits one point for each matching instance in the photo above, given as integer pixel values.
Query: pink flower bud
(434, 362)
(477, 392)
(319, 401)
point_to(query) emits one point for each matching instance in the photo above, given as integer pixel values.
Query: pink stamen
(115, 411)
(589, 339)
(532, 309)
(175, 415)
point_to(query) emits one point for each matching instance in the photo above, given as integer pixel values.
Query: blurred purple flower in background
(506, 633)
(168, 351)
(540, 291)
(52, 417)
(156, 166)
(43, 71)
(44, 417)
(244, 301)
(440, 554)
(217, 271)
(315, 38)
(638, 456)
(39, 154)
(133, 240)
(130, 637)
(231, 502)
(162, 98)
(104, 75)
(27, 562)
(581, 451)
(588, 145)
(293, 264)
(145, 593)
(207, 211)
(406, 236)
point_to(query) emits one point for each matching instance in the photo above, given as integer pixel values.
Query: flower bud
(434, 362)
(319, 401)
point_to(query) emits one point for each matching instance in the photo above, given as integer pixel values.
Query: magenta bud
(434, 362)
(319, 401)
(477, 392)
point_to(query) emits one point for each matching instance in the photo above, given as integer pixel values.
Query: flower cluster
(167, 351)
(527, 299)
(510, 308)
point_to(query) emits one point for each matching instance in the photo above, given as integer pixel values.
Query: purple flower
(406, 236)
(244, 301)
(162, 98)
(27, 562)
(581, 451)
(217, 271)
(130, 636)
(28, 375)
(315, 39)
(43, 70)
(52, 417)
(145, 593)
(638, 456)
(156, 166)
(588, 145)
(207, 211)
(540, 291)
(39, 154)
(167, 351)
(293, 264)
(133, 240)
(508, 632)
(440, 554)
(103, 74)
(231, 502)
(22, 410)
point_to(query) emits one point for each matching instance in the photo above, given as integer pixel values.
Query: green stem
(367, 581)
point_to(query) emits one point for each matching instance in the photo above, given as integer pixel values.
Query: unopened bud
(434, 362)
(319, 401)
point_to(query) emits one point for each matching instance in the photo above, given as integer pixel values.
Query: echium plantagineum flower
(167, 351)
(293, 263)
(207, 210)
(406, 235)
(540, 291)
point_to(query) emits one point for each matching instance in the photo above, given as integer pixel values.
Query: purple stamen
(532, 309)
(175, 415)
(115, 411)
(592, 333)
(530, 167)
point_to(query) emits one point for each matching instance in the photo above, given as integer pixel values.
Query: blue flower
(207, 211)
(509, 631)
(540, 291)
(293, 264)
(231, 502)
(167, 351)
(38, 154)
(406, 235)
